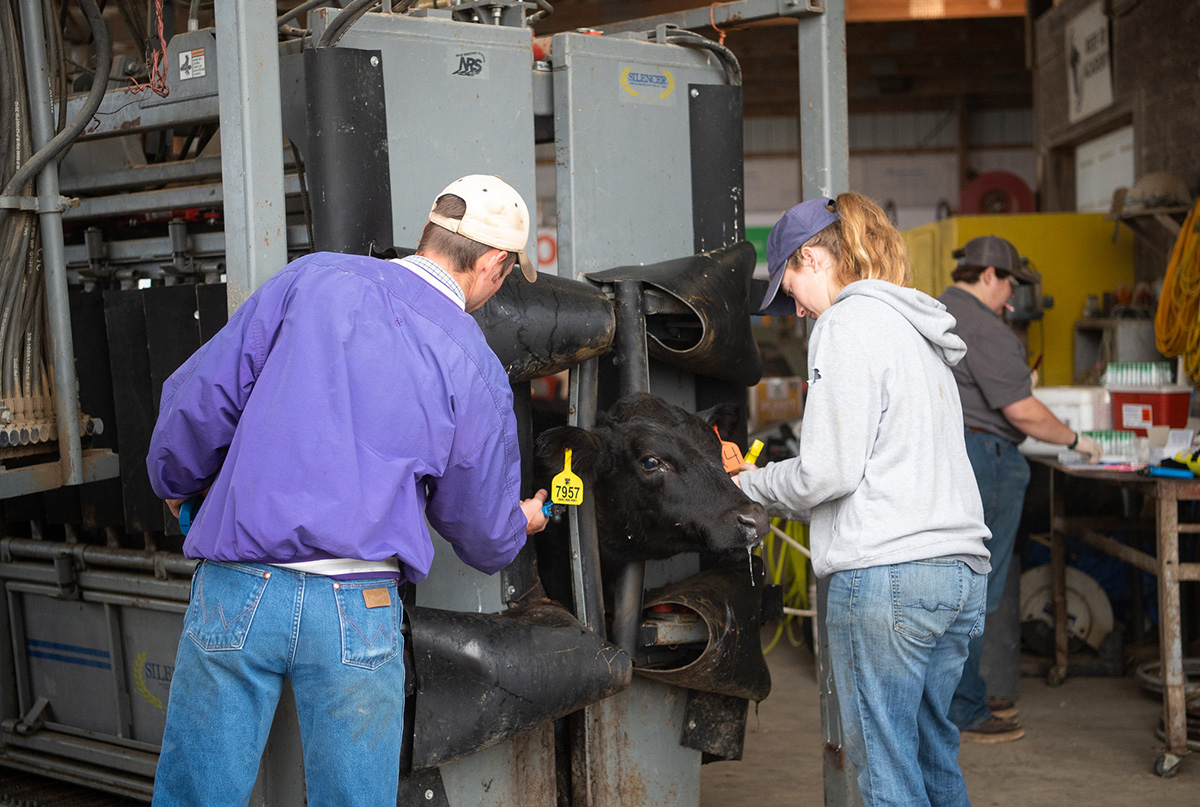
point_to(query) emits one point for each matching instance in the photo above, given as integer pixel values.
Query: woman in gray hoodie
(897, 522)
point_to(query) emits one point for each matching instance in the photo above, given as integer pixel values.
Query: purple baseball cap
(790, 233)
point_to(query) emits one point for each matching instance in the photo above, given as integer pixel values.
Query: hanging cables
(1176, 324)
(350, 15)
(721, 32)
(157, 82)
(733, 70)
(307, 5)
(67, 136)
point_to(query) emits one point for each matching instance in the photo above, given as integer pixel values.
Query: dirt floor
(1091, 738)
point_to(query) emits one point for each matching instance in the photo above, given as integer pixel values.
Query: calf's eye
(651, 463)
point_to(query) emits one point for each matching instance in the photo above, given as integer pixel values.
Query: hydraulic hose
(67, 136)
(733, 70)
(307, 5)
(1176, 328)
(342, 22)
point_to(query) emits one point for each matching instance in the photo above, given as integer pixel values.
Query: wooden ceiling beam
(571, 14)
(895, 10)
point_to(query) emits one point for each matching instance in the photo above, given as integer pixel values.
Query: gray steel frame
(721, 14)
(171, 199)
(824, 162)
(256, 241)
(121, 114)
(66, 396)
(108, 577)
(825, 170)
(251, 145)
(148, 253)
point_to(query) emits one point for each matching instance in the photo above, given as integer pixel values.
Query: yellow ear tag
(566, 488)
(731, 455)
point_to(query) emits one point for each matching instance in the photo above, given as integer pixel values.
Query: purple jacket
(344, 402)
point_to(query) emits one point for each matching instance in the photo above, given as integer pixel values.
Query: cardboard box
(775, 400)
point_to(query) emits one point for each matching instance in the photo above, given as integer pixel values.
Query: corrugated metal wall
(909, 159)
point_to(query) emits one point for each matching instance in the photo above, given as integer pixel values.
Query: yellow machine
(1074, 252)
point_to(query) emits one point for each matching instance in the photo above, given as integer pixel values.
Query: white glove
(1088, 447)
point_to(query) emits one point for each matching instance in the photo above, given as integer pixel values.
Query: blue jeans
(897, 641)
(247, 628)
(1002, 475)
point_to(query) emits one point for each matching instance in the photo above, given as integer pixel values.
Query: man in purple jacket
(345, 403)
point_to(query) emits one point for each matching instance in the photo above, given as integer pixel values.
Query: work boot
(994, 730)
(1002, 707)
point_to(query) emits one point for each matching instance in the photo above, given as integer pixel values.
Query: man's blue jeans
(1002, 475)
(897, 640)
(247, 628)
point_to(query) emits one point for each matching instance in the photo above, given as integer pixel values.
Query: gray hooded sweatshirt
(883, 465)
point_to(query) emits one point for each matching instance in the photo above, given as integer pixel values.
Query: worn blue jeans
(1002, 475)
(897, 641)
(247, 628)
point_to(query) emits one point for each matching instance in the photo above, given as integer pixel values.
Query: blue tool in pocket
(187, 513)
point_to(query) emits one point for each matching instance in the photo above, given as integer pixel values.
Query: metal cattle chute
(338, 138)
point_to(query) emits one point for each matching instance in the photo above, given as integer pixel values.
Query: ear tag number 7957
(566, 488)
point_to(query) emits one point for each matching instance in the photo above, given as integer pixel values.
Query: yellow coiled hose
(1177, 324)
(787, 567)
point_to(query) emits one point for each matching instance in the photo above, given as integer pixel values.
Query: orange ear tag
(566, 488)
(731, 455)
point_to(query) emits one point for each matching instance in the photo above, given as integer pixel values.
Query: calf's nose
(754, 523)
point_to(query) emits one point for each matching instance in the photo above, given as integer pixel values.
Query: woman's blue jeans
(897, 641)
(247, 628)
(1002, 475)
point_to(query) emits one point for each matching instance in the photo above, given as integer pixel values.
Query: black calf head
(655, 470)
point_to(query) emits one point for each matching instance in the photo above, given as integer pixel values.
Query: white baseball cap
(496, 216)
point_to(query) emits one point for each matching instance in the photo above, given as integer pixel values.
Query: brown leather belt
(974, 430)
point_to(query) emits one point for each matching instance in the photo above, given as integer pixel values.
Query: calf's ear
(725, 417)
(588, 455)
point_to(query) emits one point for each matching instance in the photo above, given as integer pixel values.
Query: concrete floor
(1091, 738)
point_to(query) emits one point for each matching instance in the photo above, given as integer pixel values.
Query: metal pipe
(8, 675)
(841, 785)
(634, 372)
(61, 141)
(91, 775)
(824, 115)
(179, 605)
(66, 396)
(251, 145)
(627, 606)
(89, 555)
(585, 545)
(630, 306)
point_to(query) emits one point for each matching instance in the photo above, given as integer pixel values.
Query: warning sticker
(191, 64)
(1137, 416)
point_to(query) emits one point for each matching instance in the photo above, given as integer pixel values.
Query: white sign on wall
(1101, 166)
(1089, 63)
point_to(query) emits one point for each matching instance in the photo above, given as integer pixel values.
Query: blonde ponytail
(864, 243)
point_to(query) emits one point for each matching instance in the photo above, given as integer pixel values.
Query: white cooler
(1084, 409)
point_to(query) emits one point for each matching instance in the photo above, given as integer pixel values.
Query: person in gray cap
(999, 411)
(897, 525)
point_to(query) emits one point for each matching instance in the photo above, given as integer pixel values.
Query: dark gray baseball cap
(994, 251)
(791, 232)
